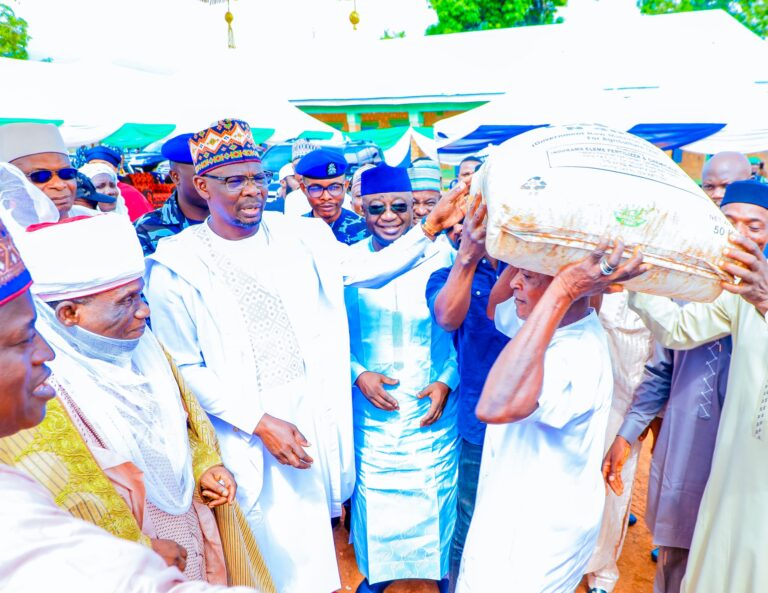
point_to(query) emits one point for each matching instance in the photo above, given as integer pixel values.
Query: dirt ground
(635, 564)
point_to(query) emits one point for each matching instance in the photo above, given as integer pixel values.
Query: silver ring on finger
(606, 269)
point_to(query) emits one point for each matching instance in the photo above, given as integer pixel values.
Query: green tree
(749, 12)
(13, 34)
(388, 34)
(455, 16)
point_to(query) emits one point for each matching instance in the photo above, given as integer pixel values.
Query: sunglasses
(335, 190)
(45, 175)
(377, 209)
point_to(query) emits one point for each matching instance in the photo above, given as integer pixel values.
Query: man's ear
(67, 312)
(201, 186)
(175, 177)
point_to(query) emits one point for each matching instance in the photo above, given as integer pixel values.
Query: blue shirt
(348, 228)
(477, 342)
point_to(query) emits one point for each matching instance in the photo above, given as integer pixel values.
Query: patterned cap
(228, 141)
(425, 175)
(303, 147)
(14, 276)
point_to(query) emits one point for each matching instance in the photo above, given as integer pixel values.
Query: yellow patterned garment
(55, 455)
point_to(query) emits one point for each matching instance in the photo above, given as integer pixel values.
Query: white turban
(21, 203)
(81, 256)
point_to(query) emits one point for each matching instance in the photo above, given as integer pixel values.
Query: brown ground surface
(635, 563)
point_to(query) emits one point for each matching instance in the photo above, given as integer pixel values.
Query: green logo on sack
(632, 217)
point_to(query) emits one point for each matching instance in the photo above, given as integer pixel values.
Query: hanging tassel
(230, 33)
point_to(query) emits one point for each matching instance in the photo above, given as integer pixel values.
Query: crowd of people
(195, 397)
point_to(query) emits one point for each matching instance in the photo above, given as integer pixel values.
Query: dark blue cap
(87, 191)
(383, 179)
(325, 163)
(103, 153)
(746, 192)
(177, 149)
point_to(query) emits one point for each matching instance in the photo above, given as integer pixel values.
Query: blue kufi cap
(384, 179)
(325, 163)
(177, 149)
(746, 192)
(103, 153)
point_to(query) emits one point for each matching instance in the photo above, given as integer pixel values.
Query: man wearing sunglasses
(325, 184)
(251, 304)
(406, 438)
(39, 151)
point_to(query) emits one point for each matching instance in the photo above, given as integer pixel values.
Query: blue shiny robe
(404, 505)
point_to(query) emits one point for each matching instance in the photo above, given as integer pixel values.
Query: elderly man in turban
(406, 439)
(38, 150)
(46, 548)
(251, 306)
(425, 178)
(148, 477)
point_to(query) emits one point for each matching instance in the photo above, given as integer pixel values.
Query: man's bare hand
(217, 486)
(171, 552)
(746, 261)
(472, 245)
(586, 277)
(438, 393)
(614, 462)
(372, 385)
(284, 441)
(450, 209)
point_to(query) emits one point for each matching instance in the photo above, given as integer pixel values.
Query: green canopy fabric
(310, 135)
(29, 120)
(138, 135)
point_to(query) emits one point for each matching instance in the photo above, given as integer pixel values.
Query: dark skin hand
(284, 441)
(438, 393)
(513, 386)
(171, 552)
(373, 387)
(450, 209)
(617, 456)
(212, 490)
(746, 261)
(453, 300)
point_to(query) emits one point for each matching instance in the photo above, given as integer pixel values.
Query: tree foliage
(750, 13)
(455, 16)
(13, 34)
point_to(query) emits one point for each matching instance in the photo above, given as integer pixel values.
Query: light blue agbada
(404, 505)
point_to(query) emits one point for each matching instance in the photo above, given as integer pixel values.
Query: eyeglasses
(377, 209)
(238, 182)
(334, 190)
(45, 175)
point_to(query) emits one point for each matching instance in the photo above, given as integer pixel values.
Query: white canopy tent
(91, 101)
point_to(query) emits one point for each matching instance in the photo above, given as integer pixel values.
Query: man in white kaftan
(540, 495)
(252, 310)
(630, 345)
(406, 446)
(546, 399)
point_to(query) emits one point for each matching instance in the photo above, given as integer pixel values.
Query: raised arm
(368, 269)
(514, 383)
(452, 302)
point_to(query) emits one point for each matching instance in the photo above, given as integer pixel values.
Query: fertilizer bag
(553, 192)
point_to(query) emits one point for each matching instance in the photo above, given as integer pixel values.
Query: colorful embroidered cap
(14, 276)
(228, 141)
